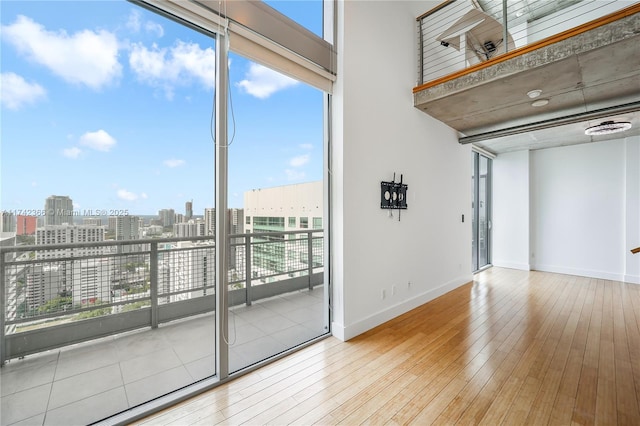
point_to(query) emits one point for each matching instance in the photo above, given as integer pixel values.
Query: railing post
(505, 34)
(153, 281)
(420, 53)
(247, 269)
(3, 309)
(310, 256)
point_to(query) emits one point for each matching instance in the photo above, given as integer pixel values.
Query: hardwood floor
(511, 348)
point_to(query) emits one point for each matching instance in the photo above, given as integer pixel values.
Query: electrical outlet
(384, 294)
(409, 285)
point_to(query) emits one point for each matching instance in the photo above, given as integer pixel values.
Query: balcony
(565, 66)
(93, 329)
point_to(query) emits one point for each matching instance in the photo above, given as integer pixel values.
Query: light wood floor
(511, 348)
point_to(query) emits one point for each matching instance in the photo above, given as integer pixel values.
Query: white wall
(510, 210)
(578, 209)
(377, 132)
(584, 210)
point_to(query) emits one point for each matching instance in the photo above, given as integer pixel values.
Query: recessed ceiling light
(539, 102)
(608, 127)
(534, 93)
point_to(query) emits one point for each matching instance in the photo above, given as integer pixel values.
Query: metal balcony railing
(56, 295)
(459, 34)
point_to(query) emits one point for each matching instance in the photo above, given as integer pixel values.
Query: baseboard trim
(350, 331)
(512, 265)
(579, 272)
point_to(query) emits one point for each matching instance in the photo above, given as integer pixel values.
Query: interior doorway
(481, 211)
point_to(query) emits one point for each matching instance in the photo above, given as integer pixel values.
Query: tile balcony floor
(84, 383)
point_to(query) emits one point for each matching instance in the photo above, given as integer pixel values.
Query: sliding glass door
(481, 211)
(276, 289)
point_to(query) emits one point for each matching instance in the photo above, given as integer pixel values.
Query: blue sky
(111, 105)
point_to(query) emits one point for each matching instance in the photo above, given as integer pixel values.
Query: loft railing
(459, 35)
(56, 295)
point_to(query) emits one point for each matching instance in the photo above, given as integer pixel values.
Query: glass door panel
(481, 207)
(276, 278)
(117, 100)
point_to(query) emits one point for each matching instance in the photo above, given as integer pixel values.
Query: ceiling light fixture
(608, 127)
(534, 93)
(539, 102)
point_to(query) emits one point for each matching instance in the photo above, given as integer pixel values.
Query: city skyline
(126, 124)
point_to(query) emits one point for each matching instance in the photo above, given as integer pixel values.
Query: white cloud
(100, 140)
(263, 82)
(174, 163)
(166, 68)
(15, 92)
(133, 22)
(306, 146)
(123, 194)
(72, 153)
(154, 27)
(144, 196)
(299, 161)
(294, 174)
(88, 58)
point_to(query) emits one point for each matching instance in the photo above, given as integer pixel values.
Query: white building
(295, 207)
(190, 266)
(43, 283)
(91, 281)
(284, 208)
(193, 228)
(210, 220)
(69, 234)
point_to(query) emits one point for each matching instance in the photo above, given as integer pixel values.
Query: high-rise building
(69, 234)
(210, 221)
(127, 227)
(167, 216)
(111, 223)
(189, 269)
(193, 228)
(58, 209)
(91, 281)
(284, 208)
(8, 222)
(188, 210)
(43, 283)
(236, 221)
(26, 225)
